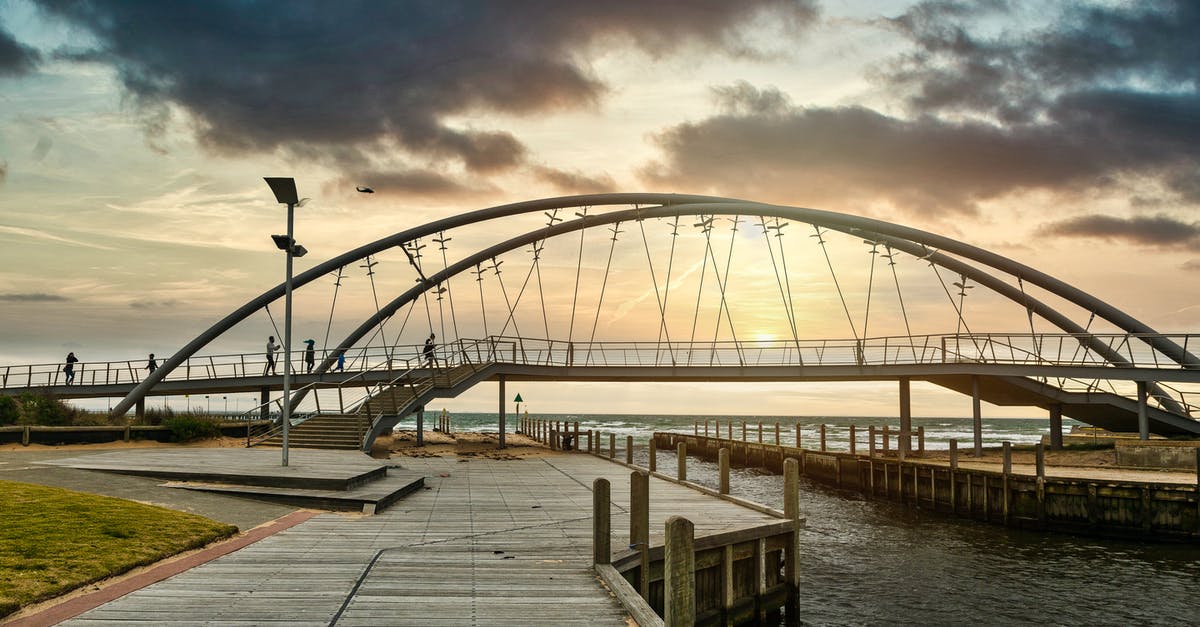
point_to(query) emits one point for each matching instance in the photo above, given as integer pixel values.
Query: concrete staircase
(399, 399)
(327, 431)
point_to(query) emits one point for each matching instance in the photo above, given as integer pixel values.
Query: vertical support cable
(706, 225)
(441, 239)
(721, 285)
(829, 262)
(891, 257)
(658, 297)
(578, 270)
(616, 230)
(783, 297)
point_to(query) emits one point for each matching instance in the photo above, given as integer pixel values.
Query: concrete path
(488, 543)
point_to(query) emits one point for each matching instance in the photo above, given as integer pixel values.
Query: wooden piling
(776, 434)
(1041, 485)
(653, 455)
(612, 446)
(639, 526)
(853, 443)
(743, 430)
(576, 445)
(791, 510)
(629, 449)
(1006, 482)
(822, 437)
(886, 437)
(871, 440)
(706, 427)
(601, 522)
(723, 463)
(679, 576)
(798, 445)
(920, 440)
(760, 433)
(681, 458)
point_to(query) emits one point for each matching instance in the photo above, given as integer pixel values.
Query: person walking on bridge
(272, 348)
(152, 365)
(310, 355)
(430, 346)
(69, 369)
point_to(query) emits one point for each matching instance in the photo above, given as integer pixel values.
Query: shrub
(44, 409)
(10, 411)
(185, 428)
(155, 416)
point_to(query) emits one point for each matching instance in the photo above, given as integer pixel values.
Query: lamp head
(284, 188)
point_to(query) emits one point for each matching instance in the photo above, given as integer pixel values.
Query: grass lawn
(54, 540)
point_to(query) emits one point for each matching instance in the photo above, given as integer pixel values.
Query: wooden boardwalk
(488, 543)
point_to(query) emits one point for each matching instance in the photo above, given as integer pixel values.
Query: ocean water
(879, 563)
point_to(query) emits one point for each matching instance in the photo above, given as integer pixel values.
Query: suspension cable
(441, 239)
(370, 266)
(578, 270)
(337, 284)
(870, 285)
(721, 284)
(615, 230)
(662, 312)
(779, 282)
(478, 272)
(891, 257)
(662, 329)
(706, 225)
(821, 241)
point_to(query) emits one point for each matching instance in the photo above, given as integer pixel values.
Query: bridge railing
(994, 348)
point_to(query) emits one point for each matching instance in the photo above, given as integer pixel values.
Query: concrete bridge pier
(905, 444)
(140, 408)
(1143, 419)
(977, 416)
(502, 417)
(1056, 441)
(420, 425)
(264, 398)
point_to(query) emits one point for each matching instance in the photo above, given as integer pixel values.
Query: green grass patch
(53, 540)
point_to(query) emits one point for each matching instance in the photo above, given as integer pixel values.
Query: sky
(134, 137)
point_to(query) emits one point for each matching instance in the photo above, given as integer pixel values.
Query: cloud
(43, 235)
(1158, 231)
(3, 172)
(988, 113)
(32, 297)
(574, 182)
(16, 59)
(347, 80)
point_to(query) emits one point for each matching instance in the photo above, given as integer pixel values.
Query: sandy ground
(211, 443)
(464, 445)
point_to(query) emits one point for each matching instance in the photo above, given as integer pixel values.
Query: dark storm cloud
(306, 76)
(32, 297)
(1159, 231)
(1097, 94)
(16, 58)
(574, 182)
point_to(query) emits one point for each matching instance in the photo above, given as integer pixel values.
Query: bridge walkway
(491, 542)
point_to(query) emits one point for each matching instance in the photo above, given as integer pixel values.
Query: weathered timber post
(953, 475)
(679, 573)
(791, 510)
(723, 463)
(871, 441)
(729, 430)
(601, 522)
(798, 445)
(904, 446)
(612, 446)
(1056, 441)
(852, 440)
(553, 440)
(575, 445)
(681, 455)
(743, 430)
(886, 438)
(976, 416)
(1143, 420)
(503, 417)
(629, 449)
(920, 440)
(706, 427)
(695, 427)
(760, 432)
(127, 435)
(1041, 484)
(717, 429)
(1006, 481)
(653, 455)
(777, 434)
(822, 437)
(25, 434)
(639, 526)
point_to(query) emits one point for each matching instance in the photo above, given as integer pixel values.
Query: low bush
(186, 428)
(10, 411)
(44, 409)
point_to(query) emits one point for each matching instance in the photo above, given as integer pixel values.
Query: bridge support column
(977, 416)
(421, 425)
(1143, 419)
(264, 399)
(905, 444)
(502, 417)
(140, 410)
(1056, 442)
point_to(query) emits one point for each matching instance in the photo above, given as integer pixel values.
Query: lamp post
(285, 192)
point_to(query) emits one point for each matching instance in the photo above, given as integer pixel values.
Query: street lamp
(285, 193)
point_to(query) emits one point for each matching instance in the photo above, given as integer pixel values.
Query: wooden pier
(1104, 502)
(487, 542)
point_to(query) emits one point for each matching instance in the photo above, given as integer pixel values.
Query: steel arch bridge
(672, 287)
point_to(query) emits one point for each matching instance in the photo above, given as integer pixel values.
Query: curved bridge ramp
(388, 405)
(1108, 411)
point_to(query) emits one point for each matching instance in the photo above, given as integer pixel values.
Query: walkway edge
(75, 606)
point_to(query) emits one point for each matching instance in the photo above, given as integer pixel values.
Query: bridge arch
(906, 239)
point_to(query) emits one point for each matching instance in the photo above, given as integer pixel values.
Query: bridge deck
(490, 542)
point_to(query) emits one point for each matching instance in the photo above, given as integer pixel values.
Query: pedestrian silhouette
(69, 369)
(429, 348)
(341, 365)
(272, 347)
(152, 365)
(310, 355)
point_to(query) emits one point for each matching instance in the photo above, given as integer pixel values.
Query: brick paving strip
(77, 605)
